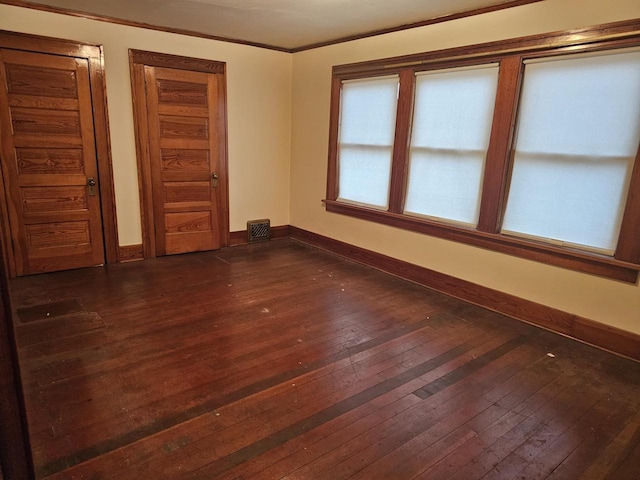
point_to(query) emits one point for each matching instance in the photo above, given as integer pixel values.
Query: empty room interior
(320, 240)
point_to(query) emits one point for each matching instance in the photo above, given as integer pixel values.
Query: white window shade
(578, 135)
(365, 143)
(451, 128)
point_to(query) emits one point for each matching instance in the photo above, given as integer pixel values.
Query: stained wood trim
(603, 336)
(223, 164)
(498, 154)
(560, 257)
(130, 253)
(95, 57)
(599, 37)
(132, 23)
(154, 59)
(628, 248)
(401, 141)
(155, 210)
(58, 46)
(334, 121)
(7, 252)
(103, 153)
(423, 23)
(141, 128)
(240, 237)
(191, 33)
(15, 448)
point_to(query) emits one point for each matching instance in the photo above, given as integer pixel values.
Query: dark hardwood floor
(277, 360)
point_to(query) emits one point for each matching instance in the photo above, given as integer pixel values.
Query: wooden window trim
(399, 165)
(623, 266)
(497, 172)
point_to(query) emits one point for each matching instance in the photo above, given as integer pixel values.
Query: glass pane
(451, 128)
(577, 201)
(582, 106)
(368, 111)
(365, 149)
(445, 184)
(578, 135)
(364, 175)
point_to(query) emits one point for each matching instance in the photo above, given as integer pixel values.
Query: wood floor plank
(276, 380)
(609, 460)
(628, 469)
(521, 396)
(406, 425)
(236, 436)
(567, 455)
(505, 458)
(278, 360)
(425, 450)
(333, 432)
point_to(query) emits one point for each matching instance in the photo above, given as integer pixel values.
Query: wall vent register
(258, 230)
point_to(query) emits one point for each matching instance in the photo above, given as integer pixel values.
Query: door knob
(214, 180)
(91, 183)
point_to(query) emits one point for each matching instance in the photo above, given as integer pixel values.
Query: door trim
(95, 57)
(138, 59)
(15, 446)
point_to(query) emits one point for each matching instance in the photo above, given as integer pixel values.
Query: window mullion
(628, 248)
(401, 141)
(332, 172)
(497, 166)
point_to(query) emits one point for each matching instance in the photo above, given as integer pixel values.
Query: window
(578, 135)
(449, 141)
(367, 125)
(516, 146)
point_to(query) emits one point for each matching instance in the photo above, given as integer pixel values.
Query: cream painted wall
(610, 302)
(258, 109)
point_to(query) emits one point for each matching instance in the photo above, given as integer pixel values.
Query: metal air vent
(258, 230)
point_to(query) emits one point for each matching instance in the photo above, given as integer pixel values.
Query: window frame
(389, 147)
(416, 75)
(624, 265)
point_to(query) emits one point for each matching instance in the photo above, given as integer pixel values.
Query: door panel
(184, 155)
(59, 161)
(48, 155)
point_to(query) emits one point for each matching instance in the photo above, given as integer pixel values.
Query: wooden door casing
(53, 137)
(180, 113)
(49, 153)
(15, 448)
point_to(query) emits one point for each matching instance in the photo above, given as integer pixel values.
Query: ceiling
(283, 24)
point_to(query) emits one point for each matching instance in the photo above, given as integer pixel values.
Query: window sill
(594, 264)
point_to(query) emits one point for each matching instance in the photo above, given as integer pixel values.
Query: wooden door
(48, 162)
(185, 126)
